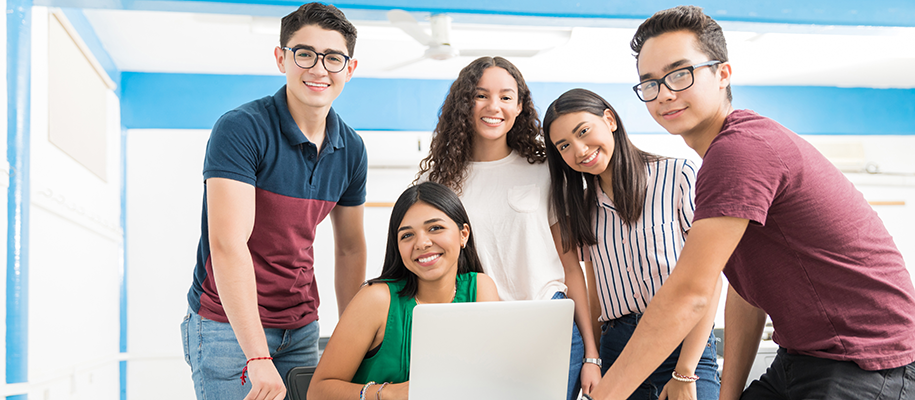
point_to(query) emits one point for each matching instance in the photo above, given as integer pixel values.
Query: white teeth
(491, 120)
(316, 84)
(591, 158)
(428, 259)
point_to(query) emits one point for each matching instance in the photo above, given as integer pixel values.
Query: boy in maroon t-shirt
(794, 237)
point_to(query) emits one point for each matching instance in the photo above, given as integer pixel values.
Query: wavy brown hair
(452, 141)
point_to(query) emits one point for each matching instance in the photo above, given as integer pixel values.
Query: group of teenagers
(508, 208)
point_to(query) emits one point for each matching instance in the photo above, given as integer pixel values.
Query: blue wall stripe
(18, 56)
(87, 34)
(821, 12)
(123, 266)
(190, 101)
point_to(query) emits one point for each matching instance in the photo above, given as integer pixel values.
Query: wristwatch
(595, 361)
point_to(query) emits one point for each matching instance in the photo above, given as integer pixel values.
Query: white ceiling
(573, 50)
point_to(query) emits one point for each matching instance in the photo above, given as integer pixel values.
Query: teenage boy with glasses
(794, 237)
(274, 168)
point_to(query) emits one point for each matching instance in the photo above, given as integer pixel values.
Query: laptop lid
(491, 350)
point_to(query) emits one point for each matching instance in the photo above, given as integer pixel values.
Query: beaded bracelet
(378, 393)
(684, 378)
(245, 370)
(364, 388)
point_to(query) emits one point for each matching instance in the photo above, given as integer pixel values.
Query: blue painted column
(123, 267)
(19, 61)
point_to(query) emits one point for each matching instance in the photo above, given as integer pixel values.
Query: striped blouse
(632, 261)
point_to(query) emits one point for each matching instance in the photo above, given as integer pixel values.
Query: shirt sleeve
(233, 149)
(354, 194)
(687, 194)
(740, 177)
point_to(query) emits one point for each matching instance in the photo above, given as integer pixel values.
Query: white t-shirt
(508, 204)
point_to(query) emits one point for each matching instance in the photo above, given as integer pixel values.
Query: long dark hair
(452, 141)
(442, 198)
(574, 194)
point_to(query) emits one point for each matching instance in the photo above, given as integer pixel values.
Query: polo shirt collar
(291, 130)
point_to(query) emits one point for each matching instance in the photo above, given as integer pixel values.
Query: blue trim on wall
(189, 101)
(87, 34)
(820, 12)
(123, 267)
(18, 56)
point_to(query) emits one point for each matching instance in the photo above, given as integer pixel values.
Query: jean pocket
(184, 338)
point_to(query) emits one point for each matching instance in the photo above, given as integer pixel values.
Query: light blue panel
(19, 91)
(392, 104)
(192, 101)
(187, 101)
(821, 12)
(833, 111)
(87, 34)
(122, 279)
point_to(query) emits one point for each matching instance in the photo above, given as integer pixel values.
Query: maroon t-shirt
(815, 256)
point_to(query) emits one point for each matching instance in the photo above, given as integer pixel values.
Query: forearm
(349, 253)
(233, 272)
(594, 301)
(695, 342)
(670, 316)
(743, 327)
(336, 389)
(578, 292)
(349, 274)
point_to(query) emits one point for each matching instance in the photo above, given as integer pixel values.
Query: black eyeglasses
(305, 59)
(677, 80)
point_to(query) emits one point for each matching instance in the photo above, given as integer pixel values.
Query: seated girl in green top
(430, 258)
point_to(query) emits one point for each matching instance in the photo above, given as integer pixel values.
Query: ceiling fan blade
(498, 52)
(404, 64)
(408, 24)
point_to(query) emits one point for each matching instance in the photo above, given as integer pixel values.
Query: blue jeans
(616, 333)
(796, 376)
(577, 354)
(216, 359)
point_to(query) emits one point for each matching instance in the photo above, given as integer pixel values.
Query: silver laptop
(491, 350)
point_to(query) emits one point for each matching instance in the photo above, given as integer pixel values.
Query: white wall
(164, 204)
(74, 250)
(164, 197)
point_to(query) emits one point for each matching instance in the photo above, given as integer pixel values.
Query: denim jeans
(216, 359)
(795, 376)
(577, 355)
(616, 333)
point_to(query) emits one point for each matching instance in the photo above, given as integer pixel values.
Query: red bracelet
(684, 378)
(245, 370)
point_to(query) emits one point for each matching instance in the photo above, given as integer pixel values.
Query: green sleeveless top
(392, 361)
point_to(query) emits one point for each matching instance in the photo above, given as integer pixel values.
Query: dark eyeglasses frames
(677, 80)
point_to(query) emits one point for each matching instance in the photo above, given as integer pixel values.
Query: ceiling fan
(438, 44)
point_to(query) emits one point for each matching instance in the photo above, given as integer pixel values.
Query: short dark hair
(323, 15)
(445, 200)
(684, 18)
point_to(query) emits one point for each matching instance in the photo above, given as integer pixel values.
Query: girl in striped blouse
(628, 211)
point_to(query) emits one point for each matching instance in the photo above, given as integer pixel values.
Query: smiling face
(697, 111)
(584, 140)
(430, 242)
(494, 111)
(313, 87)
